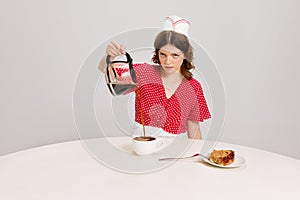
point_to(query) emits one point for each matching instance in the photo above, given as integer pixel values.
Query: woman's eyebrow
(165, 52)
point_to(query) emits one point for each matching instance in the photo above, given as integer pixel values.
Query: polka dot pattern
(170, 114)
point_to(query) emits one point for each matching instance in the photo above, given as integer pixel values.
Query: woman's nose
(168, 60)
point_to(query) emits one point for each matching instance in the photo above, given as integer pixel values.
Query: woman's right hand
(114, 49)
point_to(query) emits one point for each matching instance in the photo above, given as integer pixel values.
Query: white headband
(177, 24)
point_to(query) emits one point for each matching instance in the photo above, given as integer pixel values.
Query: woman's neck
(173, 76)
(171, 82)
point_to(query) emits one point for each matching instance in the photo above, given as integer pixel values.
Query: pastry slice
(222, 157)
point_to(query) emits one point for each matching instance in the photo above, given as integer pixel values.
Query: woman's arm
(193, 130)
(102, 64)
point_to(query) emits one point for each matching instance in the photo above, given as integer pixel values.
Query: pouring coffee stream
(141, 112)
(121, 78)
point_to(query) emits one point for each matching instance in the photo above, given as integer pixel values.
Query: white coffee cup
(146, 145)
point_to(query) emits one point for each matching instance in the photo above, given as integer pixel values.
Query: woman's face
(170, 58)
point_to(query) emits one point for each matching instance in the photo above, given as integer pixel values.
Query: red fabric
(187, 103)
(121, 71)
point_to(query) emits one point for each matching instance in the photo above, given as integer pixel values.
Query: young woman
(171, 100)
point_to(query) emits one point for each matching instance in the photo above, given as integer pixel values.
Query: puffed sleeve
(199, 111)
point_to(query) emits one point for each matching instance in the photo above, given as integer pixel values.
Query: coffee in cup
(146, 144)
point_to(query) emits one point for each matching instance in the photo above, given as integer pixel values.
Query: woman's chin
(169, 70)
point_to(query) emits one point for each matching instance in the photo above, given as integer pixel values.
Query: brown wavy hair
(181, 42)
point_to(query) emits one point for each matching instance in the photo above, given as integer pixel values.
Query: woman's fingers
(122, 49)
(112, 52)
(114, 49)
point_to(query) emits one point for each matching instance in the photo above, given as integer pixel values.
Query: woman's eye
(175, 55)
(161, 54)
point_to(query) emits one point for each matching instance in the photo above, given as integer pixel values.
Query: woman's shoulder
(195, 84)
(145, 66)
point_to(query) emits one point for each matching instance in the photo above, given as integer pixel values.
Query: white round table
(68, 171)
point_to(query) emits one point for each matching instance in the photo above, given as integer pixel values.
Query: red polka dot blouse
(170, 114)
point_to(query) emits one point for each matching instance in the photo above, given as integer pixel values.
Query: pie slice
(222, 157)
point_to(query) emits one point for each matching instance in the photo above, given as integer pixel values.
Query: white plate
(238, 162)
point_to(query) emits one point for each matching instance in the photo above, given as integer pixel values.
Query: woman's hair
(181, 42)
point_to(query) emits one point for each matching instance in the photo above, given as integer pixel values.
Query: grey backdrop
(255, 45)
